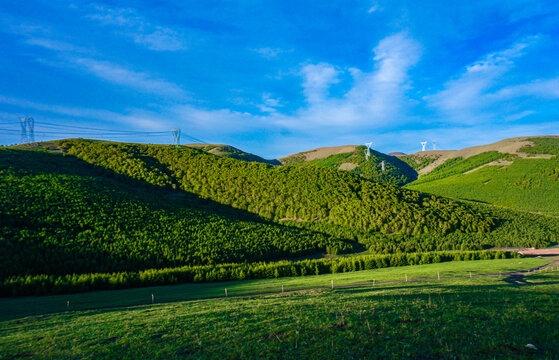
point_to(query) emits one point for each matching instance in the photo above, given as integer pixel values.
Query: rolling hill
(231, 152)
(518, 173)
(87, 206)
(61, 215)
(352, 158)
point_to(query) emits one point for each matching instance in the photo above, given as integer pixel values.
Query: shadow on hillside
(152, 197)
(47, 163)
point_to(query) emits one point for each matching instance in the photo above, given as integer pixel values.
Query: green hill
(61, 215)
(527, 180)
(231, 152)
(82, 206)
(352, 158)
(308, 194)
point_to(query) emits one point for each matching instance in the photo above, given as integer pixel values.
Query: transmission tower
(423, 145)
(176, 136)
(368, 150)
(382, 165)
(434, 145)
(27, 129)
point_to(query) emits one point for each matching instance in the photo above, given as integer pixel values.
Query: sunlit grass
(452, 318)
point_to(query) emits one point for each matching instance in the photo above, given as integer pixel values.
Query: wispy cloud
(269, 53)
(374, 8)
(545, 89)
(519, 115)
(375, 99)
(55, 45)
(119, 75)
(463, 98)
(382, 92)
(133, 119)
(138, 28)
(269, 104)
(317, 79)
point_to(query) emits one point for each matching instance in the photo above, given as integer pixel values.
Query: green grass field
(11, 308)
(451, 318)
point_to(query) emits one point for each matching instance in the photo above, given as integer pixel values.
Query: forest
(92, 207)
(286, 192)
(57, 216)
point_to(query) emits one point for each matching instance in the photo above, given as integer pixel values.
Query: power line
(97, 129)
(166, 133)
(74, 130)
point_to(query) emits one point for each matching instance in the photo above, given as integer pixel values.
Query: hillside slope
(59, 215)
(92, 206)
(299, 193)
(352, 158)
(231, 152)
(527, 179)
(513, 146)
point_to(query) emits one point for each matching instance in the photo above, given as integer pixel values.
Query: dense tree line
(233, 153)
(51, 284)
(514, 229)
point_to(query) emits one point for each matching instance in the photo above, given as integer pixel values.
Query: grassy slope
(452, 318)
(526, 184)
(459, 165)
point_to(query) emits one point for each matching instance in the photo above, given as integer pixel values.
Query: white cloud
(139, 29)
(119, 75)
(268, 53)
(501, 60)
(382, 91)
(54, 45)
(546, 89)
(466, 98)
(519, 115)
(317, 79)
(134, 118)
(374, 8)
(375, 99)
(269, 104)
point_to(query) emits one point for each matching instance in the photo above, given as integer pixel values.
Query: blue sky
(277, 77)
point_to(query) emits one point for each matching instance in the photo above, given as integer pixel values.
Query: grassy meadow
(464, 318)
(36, 305)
